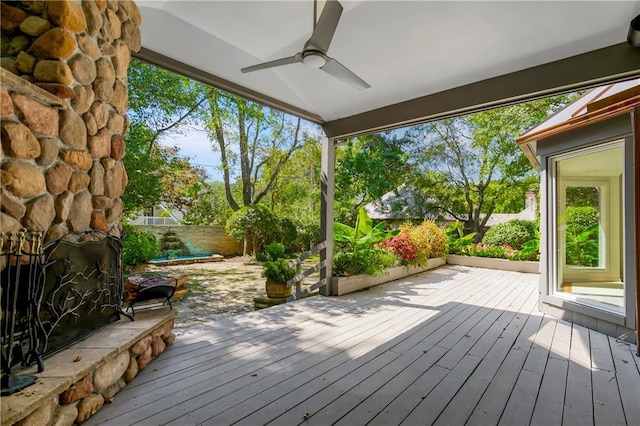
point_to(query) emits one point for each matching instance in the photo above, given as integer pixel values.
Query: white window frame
(608, 254)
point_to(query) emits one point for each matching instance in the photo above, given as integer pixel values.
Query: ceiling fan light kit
(314, 52)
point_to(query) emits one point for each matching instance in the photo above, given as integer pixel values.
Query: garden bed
(493, 263)
(344, 285)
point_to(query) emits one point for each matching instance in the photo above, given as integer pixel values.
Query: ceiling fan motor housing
(314, 58)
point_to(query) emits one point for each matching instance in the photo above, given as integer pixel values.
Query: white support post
(328, 165)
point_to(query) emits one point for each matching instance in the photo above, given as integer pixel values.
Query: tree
(210, 207)
(252, 224)
(468, 163)
(296, 193)
(166, 102)
(161, 104)
(367, 168)
(250, 137)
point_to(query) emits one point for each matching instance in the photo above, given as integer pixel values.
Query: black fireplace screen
(82, 290)
(54, 295)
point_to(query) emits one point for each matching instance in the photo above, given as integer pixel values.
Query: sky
(195, 145)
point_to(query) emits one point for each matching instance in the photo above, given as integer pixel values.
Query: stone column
(63, 100)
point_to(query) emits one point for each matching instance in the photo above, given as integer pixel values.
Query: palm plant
(582, 247)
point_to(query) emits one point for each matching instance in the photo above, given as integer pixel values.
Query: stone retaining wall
(200, 240)
(63, 101)
(78, 381)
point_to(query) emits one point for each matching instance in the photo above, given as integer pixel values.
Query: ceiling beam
(613, 63)
(223, 84)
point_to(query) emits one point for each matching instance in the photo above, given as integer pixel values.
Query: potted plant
(277, 273)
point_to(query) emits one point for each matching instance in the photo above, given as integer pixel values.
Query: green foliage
(486, 250)
(364, 235)
(470, 163)
(255, 142)
(139, 246)
(296, 194)
(161, 104)
(582, 235)
(531, 249)
(367, 168)
(274, 251)
(582, 196)
(582, 247)
(429, 239)
(308, 234)
(579, 219)
(366, 261)
(253, 224)
(458, 241)
(285, 231)
(277, 270)
(514, 233)
(210, 208)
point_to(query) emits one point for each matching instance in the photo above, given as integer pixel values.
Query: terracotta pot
(277, 290)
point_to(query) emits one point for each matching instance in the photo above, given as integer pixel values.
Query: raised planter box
(345, 285)
(492, 263)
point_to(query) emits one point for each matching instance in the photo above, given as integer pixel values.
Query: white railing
(155, 221)
(300, 275)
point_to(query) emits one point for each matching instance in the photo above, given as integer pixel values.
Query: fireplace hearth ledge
(66, 368)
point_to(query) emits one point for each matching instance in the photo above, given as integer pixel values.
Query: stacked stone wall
(63, 102)
(56, 401)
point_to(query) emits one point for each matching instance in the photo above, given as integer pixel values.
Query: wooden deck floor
(452, 346)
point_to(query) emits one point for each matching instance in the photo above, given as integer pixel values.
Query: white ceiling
(403, 49)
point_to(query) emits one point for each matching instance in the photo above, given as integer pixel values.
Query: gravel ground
(217, 289)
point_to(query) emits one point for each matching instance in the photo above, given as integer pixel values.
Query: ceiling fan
(314, 52)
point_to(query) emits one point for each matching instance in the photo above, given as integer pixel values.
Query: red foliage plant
(402, 245)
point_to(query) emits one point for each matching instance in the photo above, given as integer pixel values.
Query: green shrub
(286, 232)
(308, 236)
(252, 223)
(274, 251)
(278, 270)
(579, 219)
(430, 240)
(486, 250)
(514, 233)
(367, 261)
(139, 246)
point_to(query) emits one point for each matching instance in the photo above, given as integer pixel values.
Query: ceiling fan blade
(343, 73)
(325, 27)
(271, 64)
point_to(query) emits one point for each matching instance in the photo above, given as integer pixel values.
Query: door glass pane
(583, 226)
(589, 229)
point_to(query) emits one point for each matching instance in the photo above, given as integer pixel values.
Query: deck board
(578, 401)
(455, 345)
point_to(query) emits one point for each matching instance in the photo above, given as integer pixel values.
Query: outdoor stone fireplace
(63, 102)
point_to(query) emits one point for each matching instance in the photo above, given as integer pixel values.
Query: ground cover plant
(513, 240)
